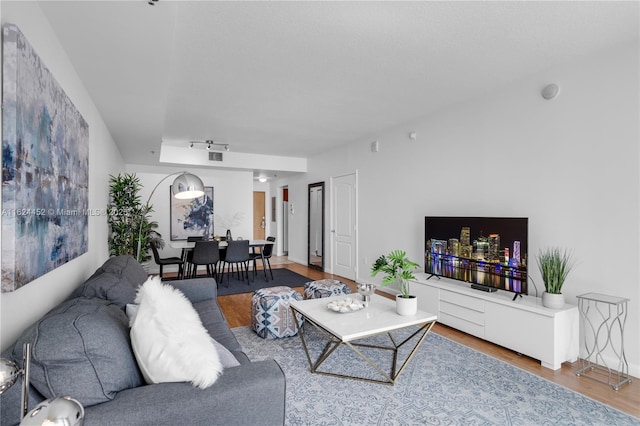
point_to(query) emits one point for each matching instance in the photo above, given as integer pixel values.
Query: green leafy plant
(554, 264)
(397, 268)
(125, 216)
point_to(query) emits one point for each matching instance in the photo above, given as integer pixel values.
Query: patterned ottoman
(325, 288)
(271, 317)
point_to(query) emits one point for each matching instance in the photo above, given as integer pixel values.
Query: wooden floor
(238, 313)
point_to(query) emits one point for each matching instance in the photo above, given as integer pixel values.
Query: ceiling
(298, 78)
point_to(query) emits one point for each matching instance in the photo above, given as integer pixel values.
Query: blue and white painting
(192, 218)
(45, 168)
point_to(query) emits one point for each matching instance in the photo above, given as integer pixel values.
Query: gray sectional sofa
(82, 347)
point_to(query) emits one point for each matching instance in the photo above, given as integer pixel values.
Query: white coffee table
(344, 329)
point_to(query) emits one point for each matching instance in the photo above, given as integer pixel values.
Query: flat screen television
(488, 252)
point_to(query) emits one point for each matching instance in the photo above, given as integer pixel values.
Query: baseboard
(299, 261)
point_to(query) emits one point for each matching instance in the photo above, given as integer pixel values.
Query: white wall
(21, 308)
(278, 223)
(298, 211)
(570, 165)
(232, 193)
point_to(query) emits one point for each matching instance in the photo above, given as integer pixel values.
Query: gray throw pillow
(116, 280)
(107, 286)
(81, 349)
(126, 267)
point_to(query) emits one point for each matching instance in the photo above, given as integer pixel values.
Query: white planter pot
(553, 301)
(406, 306)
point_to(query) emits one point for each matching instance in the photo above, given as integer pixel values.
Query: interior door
(343, 231)
(259, 218)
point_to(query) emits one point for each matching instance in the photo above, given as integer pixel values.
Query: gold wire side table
(604, 318)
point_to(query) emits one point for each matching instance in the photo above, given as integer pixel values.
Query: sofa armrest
(251, 394)
(197, 289)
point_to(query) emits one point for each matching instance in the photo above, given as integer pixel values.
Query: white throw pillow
(168, 339)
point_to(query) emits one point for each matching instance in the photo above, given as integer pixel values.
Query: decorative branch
(227, 222)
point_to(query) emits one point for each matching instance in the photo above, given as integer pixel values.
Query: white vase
(553, 301)
(406, 305)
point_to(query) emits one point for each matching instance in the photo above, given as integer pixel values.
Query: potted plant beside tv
(554, 264)
(398, 269)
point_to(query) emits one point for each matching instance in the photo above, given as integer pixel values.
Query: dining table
(186, 246)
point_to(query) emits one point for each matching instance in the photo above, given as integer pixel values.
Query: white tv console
(522, 325)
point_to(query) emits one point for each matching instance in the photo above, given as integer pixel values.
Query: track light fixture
(209, 144)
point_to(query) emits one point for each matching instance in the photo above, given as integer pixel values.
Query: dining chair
(187, 253)
(162, 261)
(265, 254)
(237, 254)
(205, 253)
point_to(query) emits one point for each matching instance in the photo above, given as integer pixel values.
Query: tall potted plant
(554, 264)
(398, 269)
(125, 215)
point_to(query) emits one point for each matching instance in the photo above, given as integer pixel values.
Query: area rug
(281, 276)
(446, 383)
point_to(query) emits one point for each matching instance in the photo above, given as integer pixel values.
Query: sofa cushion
(116, 280)
(218, 328)
(81, 349)
(107, 286)
(196, 289)
(127, 268)
(169, 340)
(215, 323)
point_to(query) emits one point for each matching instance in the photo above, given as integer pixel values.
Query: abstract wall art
(45, 168)
(192, 218)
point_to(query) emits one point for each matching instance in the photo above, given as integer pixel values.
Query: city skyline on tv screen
(490, 251)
